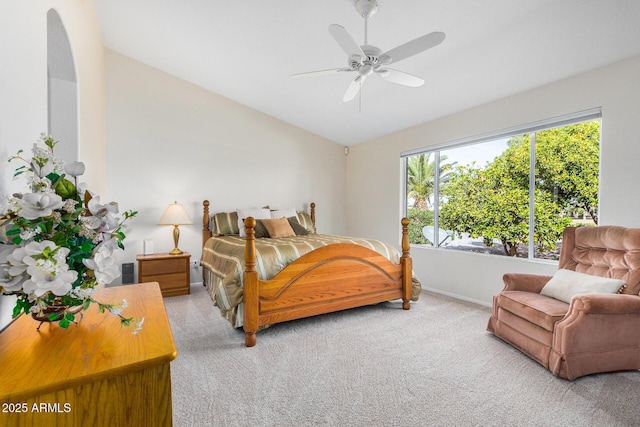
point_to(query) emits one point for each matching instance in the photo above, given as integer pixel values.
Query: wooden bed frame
(332, 278)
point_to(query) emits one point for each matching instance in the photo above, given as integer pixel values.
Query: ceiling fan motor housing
(366, 65)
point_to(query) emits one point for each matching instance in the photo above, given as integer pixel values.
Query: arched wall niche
(62, 89)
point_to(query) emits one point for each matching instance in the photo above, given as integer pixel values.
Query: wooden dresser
(93, 374)
(170, 271)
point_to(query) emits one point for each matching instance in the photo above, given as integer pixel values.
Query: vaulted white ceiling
(247, 49)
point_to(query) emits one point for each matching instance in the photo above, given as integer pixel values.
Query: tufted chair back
(605, 251)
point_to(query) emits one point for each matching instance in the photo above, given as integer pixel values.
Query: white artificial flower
(138, 327)
(16, 262)
(39, 150)
(101, 215)
(74, 169)
(8, 281)
(81, 293)
(43, 281)
(105, 263)
(39, 185)
(39, 205)
(48, 269)
(28, 234)
(42, 170)
(118, 309)
(69, 205)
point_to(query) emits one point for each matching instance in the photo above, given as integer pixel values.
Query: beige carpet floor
(434, 365)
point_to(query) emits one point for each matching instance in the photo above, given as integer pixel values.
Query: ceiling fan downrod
(366, 9)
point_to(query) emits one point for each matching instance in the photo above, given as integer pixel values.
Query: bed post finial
(313, 215)
(250, 246)
(206, 232)
(405, 237)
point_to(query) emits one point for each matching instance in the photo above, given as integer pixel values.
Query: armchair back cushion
(605, 251)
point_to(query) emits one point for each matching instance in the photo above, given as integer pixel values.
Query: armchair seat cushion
(535, 308)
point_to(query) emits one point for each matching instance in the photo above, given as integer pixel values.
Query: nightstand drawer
(164, 266)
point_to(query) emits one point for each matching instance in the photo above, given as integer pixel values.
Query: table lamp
(175, 215)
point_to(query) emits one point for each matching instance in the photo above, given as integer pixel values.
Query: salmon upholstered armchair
(597, 326)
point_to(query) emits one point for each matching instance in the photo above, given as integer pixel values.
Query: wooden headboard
(206, 220)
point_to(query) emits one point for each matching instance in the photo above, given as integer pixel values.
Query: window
(511, 193)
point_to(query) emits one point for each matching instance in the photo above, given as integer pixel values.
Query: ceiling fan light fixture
(365, 70)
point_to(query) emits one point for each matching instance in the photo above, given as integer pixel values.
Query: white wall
(374, 171)
(171, 140)
(23, 85)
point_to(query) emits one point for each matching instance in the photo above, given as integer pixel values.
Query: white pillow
(287, 213)
(567, 283)
(257, 213)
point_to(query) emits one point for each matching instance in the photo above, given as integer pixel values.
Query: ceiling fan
(367, 59)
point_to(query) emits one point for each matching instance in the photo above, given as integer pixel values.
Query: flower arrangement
(62, 242)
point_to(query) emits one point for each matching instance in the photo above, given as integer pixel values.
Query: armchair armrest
(606, 304)
(599, 322)
(524, 282)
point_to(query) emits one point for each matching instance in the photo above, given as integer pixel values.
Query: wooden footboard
(335, 277)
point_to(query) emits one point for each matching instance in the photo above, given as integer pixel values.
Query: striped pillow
(305, 220)
(225, 224)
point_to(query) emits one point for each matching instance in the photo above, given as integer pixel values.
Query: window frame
(531, 129)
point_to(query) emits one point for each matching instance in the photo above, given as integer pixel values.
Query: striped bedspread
(223, 264)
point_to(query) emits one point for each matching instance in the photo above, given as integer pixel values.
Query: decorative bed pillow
(225, 224)
(278, 228)
(305, 220)
(297, 228)
(279, 213)
(565, 284)
(257, 213)
(260, 230)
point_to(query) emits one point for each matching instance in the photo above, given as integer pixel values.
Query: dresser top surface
(97, 347)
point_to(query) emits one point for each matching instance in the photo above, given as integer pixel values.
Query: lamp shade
(175, 215)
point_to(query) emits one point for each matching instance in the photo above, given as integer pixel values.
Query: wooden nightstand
(170, 271)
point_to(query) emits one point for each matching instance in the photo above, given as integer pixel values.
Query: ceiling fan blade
(401, 78)
(354, 88)
(346, 42)
(412, 48)
(321, 72)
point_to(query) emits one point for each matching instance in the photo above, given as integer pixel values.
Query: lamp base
(176, 251)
